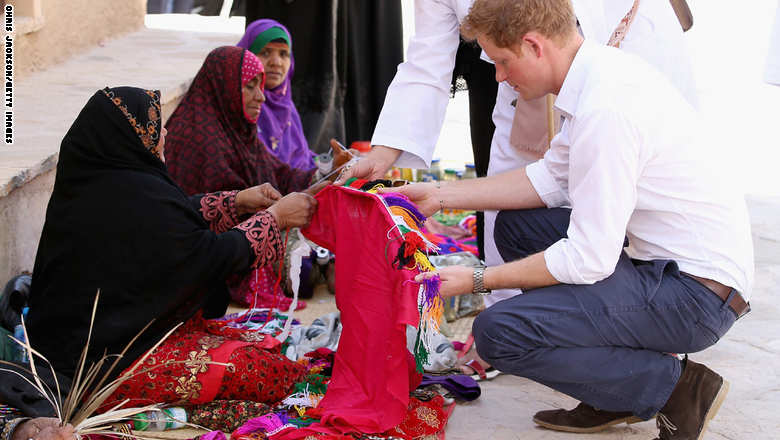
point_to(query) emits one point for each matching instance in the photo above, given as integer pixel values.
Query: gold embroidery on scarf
(197, 362)
(188, 388)
(210, 341)
(428, 416)
(147, 133)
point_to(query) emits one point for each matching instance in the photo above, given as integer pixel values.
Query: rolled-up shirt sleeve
(604, 167)
(416, 101)
(545, 184)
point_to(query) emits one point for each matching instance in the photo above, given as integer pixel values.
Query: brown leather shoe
(696, 399)
(582, 419)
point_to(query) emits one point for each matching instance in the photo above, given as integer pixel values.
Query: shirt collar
(569, 95)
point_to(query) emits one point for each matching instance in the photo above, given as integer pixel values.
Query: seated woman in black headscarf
(118, 223)
(213, 146)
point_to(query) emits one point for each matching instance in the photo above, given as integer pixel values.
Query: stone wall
(67, 27)
(22, 213)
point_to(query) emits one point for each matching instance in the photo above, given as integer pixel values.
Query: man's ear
(533, 43)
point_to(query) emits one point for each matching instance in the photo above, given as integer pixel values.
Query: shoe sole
(627, 420)
(715, 407)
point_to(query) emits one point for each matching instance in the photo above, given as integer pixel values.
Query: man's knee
(488, 328)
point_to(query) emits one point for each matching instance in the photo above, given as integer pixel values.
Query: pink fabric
(373, 371)
(251, 66)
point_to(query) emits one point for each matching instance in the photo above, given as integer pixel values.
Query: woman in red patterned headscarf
(213, 146)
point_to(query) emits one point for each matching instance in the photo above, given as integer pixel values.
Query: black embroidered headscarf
(117, 222)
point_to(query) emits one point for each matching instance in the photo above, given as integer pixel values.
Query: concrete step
(47, 102)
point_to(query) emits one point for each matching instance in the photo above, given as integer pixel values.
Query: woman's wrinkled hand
(44, 428)
(294, 210)
(256, 198)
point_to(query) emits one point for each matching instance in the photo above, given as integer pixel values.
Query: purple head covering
(279, 125)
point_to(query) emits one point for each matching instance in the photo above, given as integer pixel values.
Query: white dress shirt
(632, 160)
(416, 101)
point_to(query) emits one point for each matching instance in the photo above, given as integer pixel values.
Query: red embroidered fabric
(183, 370)
(263, 235)
(373, 371)
(219, 210)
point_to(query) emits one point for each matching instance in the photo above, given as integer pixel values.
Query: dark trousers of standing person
(480, 77)
(604, 344)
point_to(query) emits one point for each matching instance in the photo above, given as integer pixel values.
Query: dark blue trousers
(604, 344)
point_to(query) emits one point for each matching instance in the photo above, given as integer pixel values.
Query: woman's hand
(424, 195)
(256, 198)
(293, 210)
(455, 280)
(44, 428)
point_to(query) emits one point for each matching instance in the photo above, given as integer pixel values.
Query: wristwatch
(479, 282)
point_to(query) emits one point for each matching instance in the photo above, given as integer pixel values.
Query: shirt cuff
(412, 155)
(557, 263)
(545, 185)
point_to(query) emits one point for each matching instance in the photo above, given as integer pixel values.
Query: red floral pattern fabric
(195, 366)
(225, 415)
(219, 210)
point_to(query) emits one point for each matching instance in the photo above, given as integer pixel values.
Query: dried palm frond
(84, 399)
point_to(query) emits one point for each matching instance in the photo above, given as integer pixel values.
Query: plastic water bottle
(162, 420)
(21, 354)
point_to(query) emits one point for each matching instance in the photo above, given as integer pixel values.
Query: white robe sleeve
(416, 101)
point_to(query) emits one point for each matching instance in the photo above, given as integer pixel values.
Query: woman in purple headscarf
(279, 125)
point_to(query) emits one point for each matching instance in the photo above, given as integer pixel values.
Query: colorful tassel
(412, 255)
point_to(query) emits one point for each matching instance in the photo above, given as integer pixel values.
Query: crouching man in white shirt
(653, 256)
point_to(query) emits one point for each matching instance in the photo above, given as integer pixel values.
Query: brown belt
(737, 303)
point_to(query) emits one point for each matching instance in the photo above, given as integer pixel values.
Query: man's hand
(44, 428)
(424, 195)
(293, 210)
(455, 280)
(256, 198)
(372, 166)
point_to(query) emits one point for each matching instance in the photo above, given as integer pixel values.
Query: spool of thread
(160, 420)
(323, 255)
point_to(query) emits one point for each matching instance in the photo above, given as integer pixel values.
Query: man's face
(518, 65)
